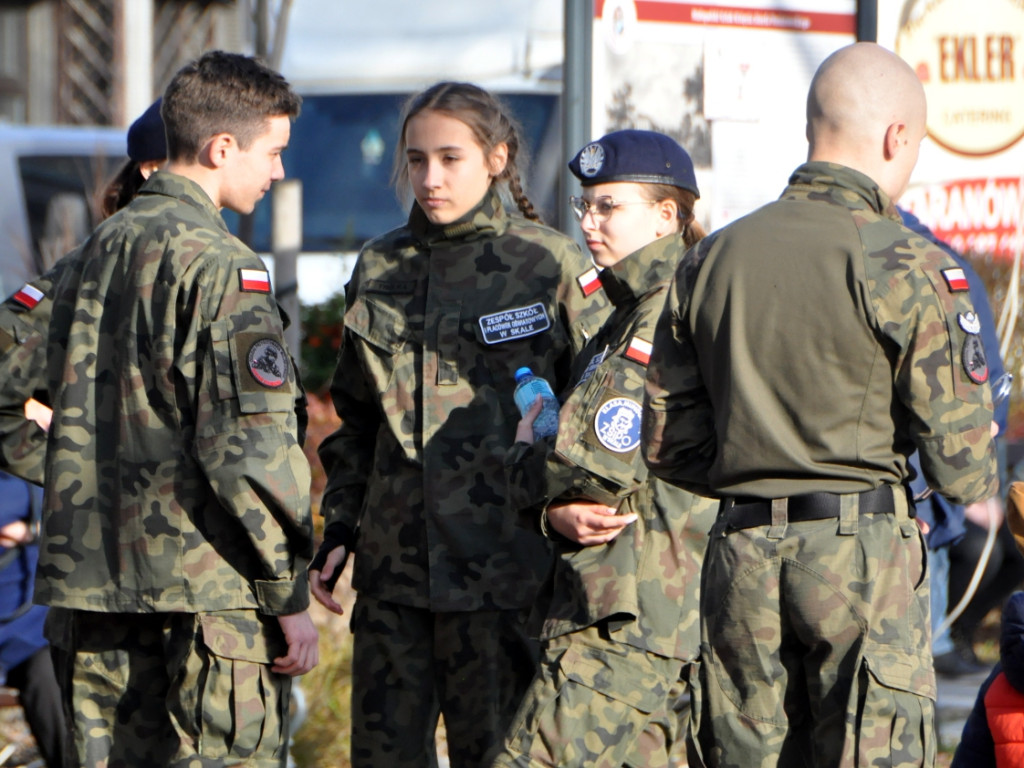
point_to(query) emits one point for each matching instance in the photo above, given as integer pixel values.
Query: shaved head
(866, 109)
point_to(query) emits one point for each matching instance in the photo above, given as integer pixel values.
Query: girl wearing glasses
(621, 630)
(440, 314)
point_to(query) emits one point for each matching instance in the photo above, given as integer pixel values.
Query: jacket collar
(487, 219)
(184, 189)
(635, 276)
(844, 186)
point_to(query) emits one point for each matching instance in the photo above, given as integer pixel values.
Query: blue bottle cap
(522, 372)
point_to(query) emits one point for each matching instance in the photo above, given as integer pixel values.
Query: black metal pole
(867, 21)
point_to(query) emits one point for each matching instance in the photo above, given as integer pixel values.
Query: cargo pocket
(242, 703)
(588, 709)
(896, 722)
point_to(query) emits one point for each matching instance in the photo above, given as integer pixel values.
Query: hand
(978, 513)
(587, 522)
(303, 649)
(39, 413)
(320, 582)
(994, 429)
(14, 534)
(524, 429)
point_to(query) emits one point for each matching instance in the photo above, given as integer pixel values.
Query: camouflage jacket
(645, 581)
(438, 319)
(811, 345)
(24, 319)
(174, 479)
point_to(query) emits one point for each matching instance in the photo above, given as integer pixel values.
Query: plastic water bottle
(528, 387)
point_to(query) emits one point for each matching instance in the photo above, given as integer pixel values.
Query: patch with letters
(973, 358)
(639, 351)
(589, 282)
(955, 279)
(29, 296)
(254, 280)
(617, 424)
(513, 324)
(268, 363)
(595, 361)
(969, 322)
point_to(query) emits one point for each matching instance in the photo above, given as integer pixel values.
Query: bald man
(803, 354)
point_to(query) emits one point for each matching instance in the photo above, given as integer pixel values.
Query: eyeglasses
(602, 208)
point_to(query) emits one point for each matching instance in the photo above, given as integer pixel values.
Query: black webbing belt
(750, 512)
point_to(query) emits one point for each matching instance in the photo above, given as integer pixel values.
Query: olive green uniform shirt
(812, 346)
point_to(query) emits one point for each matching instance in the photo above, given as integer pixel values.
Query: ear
(895, 139)
(218, 150)
(498, 159)
(667, 212)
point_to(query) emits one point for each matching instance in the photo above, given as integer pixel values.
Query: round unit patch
(617, 424)
(591, 159)
(973, 358)
(268, 363)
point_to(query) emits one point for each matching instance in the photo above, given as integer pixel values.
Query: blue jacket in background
(21, 636)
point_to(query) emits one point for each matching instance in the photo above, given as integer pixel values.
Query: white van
(50, 182)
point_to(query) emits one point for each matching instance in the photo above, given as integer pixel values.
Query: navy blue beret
(646, 157)
(146, 137)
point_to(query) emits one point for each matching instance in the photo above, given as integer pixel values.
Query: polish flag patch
(955, 279)
(639, 351)
(28, 296)
(255, 280)
(589, 281)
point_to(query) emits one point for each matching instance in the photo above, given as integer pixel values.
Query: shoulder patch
(973, 358)
(639, 351)
(254, 280)
(955, 279)
(589, 282)
(29, 296)
(969, 322)
(268, 363)
(617, 424)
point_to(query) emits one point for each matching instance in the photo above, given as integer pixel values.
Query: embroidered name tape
(515, 324)
(617, 424)
(28, 296)
(254, 280)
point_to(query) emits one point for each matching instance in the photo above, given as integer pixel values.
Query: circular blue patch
(617, 424)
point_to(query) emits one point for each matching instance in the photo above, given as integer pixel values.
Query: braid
(522, 202)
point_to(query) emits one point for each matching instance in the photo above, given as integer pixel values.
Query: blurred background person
(25, 662)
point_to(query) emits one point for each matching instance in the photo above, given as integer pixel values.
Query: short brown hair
(223, 93)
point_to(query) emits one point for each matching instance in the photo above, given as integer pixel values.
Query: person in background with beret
(621, 630)
(147, 152)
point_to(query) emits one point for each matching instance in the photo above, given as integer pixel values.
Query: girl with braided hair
(440, 314)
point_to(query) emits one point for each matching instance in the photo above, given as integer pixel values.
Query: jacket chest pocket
(384, 331)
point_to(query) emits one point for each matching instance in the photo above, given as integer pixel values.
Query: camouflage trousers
(596, 702)
(816, 643)
(172, 689)
(411, 665)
